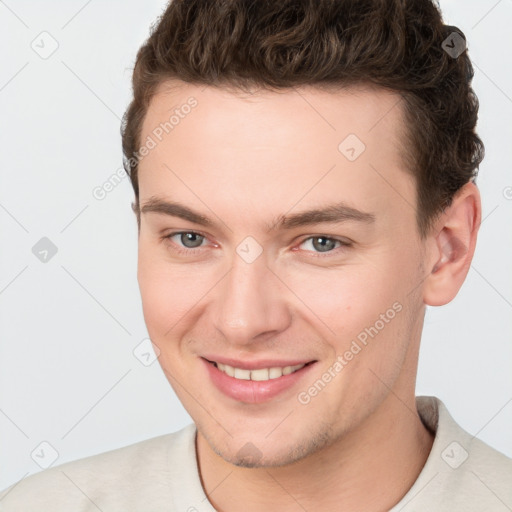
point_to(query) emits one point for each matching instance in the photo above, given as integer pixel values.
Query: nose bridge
(248, 304)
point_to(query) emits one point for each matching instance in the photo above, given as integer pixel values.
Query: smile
(261, 374)
(257, 382)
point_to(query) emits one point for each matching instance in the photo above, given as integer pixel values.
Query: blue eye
(187, 237)
(189, 242)
(324, 244)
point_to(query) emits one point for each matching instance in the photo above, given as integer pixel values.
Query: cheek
(167, 294)
(360, 309)
(346, 299)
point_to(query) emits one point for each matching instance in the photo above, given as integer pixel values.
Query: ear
(451, 246)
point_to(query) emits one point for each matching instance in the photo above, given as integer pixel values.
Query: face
(281, 331)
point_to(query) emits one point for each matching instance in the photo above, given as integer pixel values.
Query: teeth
(261, 374)
(274, 373)
(242, 374)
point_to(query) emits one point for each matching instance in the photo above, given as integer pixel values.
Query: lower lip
(252, 391)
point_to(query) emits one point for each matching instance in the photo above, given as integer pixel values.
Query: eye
(324, 244)
(190, 240)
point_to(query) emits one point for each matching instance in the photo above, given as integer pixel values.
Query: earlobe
(452, 248)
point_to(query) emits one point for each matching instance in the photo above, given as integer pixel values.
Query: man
(304, 187)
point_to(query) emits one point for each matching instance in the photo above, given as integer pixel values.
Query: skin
(244, 161)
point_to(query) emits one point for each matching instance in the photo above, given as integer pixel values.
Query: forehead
(279, 148)
(369, 111)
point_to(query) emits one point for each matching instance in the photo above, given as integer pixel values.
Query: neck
(369, 469)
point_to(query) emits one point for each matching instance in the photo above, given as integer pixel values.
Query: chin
(267, 453)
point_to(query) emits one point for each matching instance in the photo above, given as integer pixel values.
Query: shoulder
(483, 469)
(458, 448)
(473, 476)
(488, 459)
(462, 472)
(115, 479)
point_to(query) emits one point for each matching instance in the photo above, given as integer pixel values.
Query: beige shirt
(462, 473)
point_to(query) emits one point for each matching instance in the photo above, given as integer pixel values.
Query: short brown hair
(398, 45)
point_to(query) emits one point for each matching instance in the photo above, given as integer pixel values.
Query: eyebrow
(334, 213)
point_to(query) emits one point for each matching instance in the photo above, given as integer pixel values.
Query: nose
(250, 304)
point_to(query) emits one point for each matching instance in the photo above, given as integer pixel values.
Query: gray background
(69, 326)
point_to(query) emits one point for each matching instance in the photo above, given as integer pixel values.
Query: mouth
(259, 374)
(256, 383)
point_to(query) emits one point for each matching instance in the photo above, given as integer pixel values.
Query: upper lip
(256, 365)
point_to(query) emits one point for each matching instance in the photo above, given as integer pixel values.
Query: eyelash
(187, 251)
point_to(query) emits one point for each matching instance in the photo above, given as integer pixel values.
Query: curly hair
(398, 45)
